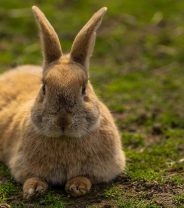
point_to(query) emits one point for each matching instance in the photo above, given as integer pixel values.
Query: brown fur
(53, 126)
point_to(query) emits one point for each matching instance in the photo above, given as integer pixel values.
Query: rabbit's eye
(83, 90)
(43, 89)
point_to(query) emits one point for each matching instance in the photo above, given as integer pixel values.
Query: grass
(137, 70)
(179, 199)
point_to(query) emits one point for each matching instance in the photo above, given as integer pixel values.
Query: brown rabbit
(54, 129)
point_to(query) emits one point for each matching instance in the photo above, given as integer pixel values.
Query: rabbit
(54, 129)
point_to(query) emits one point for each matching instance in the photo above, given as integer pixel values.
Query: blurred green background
(138, 70)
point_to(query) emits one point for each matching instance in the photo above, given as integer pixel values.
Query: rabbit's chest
(59, 162)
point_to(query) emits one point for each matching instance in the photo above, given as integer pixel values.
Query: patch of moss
(133, 140)
(179, 200)
(123, 198)
(177, 179)
(53, 200)
(133, 202)
(113, 192)
(7, 189)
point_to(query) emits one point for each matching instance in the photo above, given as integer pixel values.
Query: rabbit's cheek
(93, 123)
(49, 127)
(36, 119)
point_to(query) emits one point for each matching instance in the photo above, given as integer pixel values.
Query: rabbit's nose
(64, 121)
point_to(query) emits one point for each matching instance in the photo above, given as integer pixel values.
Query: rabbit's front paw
(78, 186)
(33, 186)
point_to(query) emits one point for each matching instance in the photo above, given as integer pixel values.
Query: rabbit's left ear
(84, 42)
(50, 42)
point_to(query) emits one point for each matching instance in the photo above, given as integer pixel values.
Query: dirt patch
(161, 194)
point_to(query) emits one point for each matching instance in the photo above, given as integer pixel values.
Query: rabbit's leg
(78, 186)
(33, 186)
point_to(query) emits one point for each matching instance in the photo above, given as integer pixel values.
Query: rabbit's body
(56, 160)
(53, 127)
(17, 89)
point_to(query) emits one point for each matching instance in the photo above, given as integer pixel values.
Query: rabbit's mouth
(56, 132)
(79, 127)
(59, 132)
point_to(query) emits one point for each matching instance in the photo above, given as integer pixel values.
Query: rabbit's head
(66, 104)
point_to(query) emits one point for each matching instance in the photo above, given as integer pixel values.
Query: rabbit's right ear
(50, 42)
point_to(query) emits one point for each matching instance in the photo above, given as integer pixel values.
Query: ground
(138, 71)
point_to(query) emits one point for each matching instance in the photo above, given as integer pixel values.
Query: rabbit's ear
(84, 42)
(50, 42)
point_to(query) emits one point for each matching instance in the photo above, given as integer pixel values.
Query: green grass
(122, 200)
(7, 189)
(179, 199)
(137, 70)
